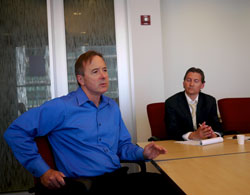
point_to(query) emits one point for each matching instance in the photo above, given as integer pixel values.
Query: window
(90, 25)
(24, 76)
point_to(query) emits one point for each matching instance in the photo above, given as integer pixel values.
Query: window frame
(58, 58)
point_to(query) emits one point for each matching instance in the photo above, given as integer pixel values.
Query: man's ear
(203, 85)
(80, 79)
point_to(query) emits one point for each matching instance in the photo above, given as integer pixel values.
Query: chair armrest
(153, 138)
(141, 164)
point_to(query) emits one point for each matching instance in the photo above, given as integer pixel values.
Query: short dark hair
(197, 70)
(83, 60)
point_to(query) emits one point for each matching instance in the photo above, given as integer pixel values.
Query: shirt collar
(190, 101)
(83, 98)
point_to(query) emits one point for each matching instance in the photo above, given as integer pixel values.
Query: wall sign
(145, 20)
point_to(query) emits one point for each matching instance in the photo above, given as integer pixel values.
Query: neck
(94, 98)
(192, 96)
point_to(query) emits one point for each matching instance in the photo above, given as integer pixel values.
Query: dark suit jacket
(178, 118)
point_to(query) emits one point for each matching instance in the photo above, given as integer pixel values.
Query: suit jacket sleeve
(207, 111)
(178, 118)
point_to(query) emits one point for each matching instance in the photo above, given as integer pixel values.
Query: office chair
(156, 112)
(45, 150)
(21, 107)
(235, 114)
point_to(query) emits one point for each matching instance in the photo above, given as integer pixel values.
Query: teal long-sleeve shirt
(86, 140)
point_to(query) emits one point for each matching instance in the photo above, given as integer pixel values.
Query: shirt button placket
(99, 139)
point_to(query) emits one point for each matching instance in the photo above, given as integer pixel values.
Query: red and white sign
(145, 20)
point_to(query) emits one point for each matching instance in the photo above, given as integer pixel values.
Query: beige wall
(213, 35)
(147, 65)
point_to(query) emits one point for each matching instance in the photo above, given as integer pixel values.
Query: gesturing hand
(52, 179)
(152, 150)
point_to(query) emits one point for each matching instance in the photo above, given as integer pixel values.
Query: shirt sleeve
(217, 133)
(127, 150)
(35, 122)
(186, 135)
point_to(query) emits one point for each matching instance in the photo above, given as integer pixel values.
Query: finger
(152, 150)
(206, 131)
(62, 182)
(202, 124)
(158, 148)
(60, 179)
(153, 154)
(53, 183)
(161, 149)
(149, 145)
(209, 134)
(57, 182)
(203, 127)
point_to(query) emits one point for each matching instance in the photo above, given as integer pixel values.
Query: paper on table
(202, 142)
(211, 141)
(189, 142)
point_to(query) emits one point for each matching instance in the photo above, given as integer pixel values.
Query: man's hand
(152, 150)
(52, 179)
(203, 132)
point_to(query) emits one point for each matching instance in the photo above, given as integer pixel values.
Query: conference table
(220, 168)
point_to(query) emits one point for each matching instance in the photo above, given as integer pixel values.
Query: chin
(103, 91)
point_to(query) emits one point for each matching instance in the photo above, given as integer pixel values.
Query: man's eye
(196, 81)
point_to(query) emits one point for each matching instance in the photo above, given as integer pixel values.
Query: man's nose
(103, 74)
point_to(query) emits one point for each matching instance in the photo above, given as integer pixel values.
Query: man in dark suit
(191, 114)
